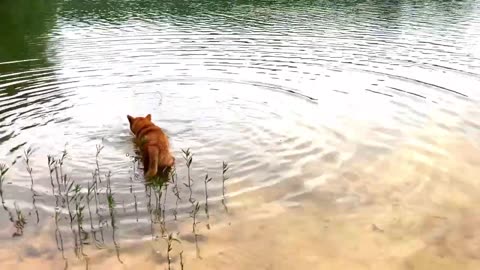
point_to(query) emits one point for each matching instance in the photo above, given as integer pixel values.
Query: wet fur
(153, 144)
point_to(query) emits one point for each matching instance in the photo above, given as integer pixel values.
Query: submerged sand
(416, 209)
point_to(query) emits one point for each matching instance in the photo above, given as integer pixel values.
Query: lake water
(351, 132)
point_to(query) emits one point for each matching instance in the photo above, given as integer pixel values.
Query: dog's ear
(149, 117)
(130, 119)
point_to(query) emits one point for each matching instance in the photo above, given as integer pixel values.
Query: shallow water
(351, 131)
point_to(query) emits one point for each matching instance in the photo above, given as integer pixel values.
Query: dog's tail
(152, 153)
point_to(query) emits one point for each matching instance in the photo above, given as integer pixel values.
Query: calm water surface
(351, 130)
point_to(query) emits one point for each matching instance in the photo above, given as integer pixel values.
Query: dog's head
(137, 123)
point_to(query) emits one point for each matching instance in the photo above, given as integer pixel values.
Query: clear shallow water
(321, 109)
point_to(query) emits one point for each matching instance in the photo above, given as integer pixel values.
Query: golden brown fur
(153, 144)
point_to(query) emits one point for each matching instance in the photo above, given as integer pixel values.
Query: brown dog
(153, 144)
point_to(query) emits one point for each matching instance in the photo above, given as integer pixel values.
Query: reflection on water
(347, 130)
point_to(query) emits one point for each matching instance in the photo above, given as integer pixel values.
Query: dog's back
(153, 143)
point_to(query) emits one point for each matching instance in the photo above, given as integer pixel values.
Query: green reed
(181, 260)
(58, 234)
(20, 222)
(61, 160)
(108, 176)
(51, 164)
(58, 167)
(97, 154)
(163, 222)
(69, 189)
(135, 206)
(188, 157)
(95, 190)
(170, 239)
(111, 206)
(175, 191)
(148, 195)
(193, 214)
(27, 154)
(225, 169)
(76, 202)
(79, 218)
(206, 181)
(156, 186)
(90, 189)
(3, 172)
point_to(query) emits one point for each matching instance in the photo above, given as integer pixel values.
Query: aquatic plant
(58, 235)
(56, 166)
(181, 260)
(3, 172)
(162, 223)
(193, 214)
(97, 154)
(170, 239)
(90, 189)
(225, 169)
(176, 192)
(111, 206)
(69, 190)
(27, 153)
(51, 165)
(79, 218)
(108, 176)
(20, 222)
(72, 200)
(188, 156)
(95, 190)
(207, 179)
(135, 206)
(61, 160)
